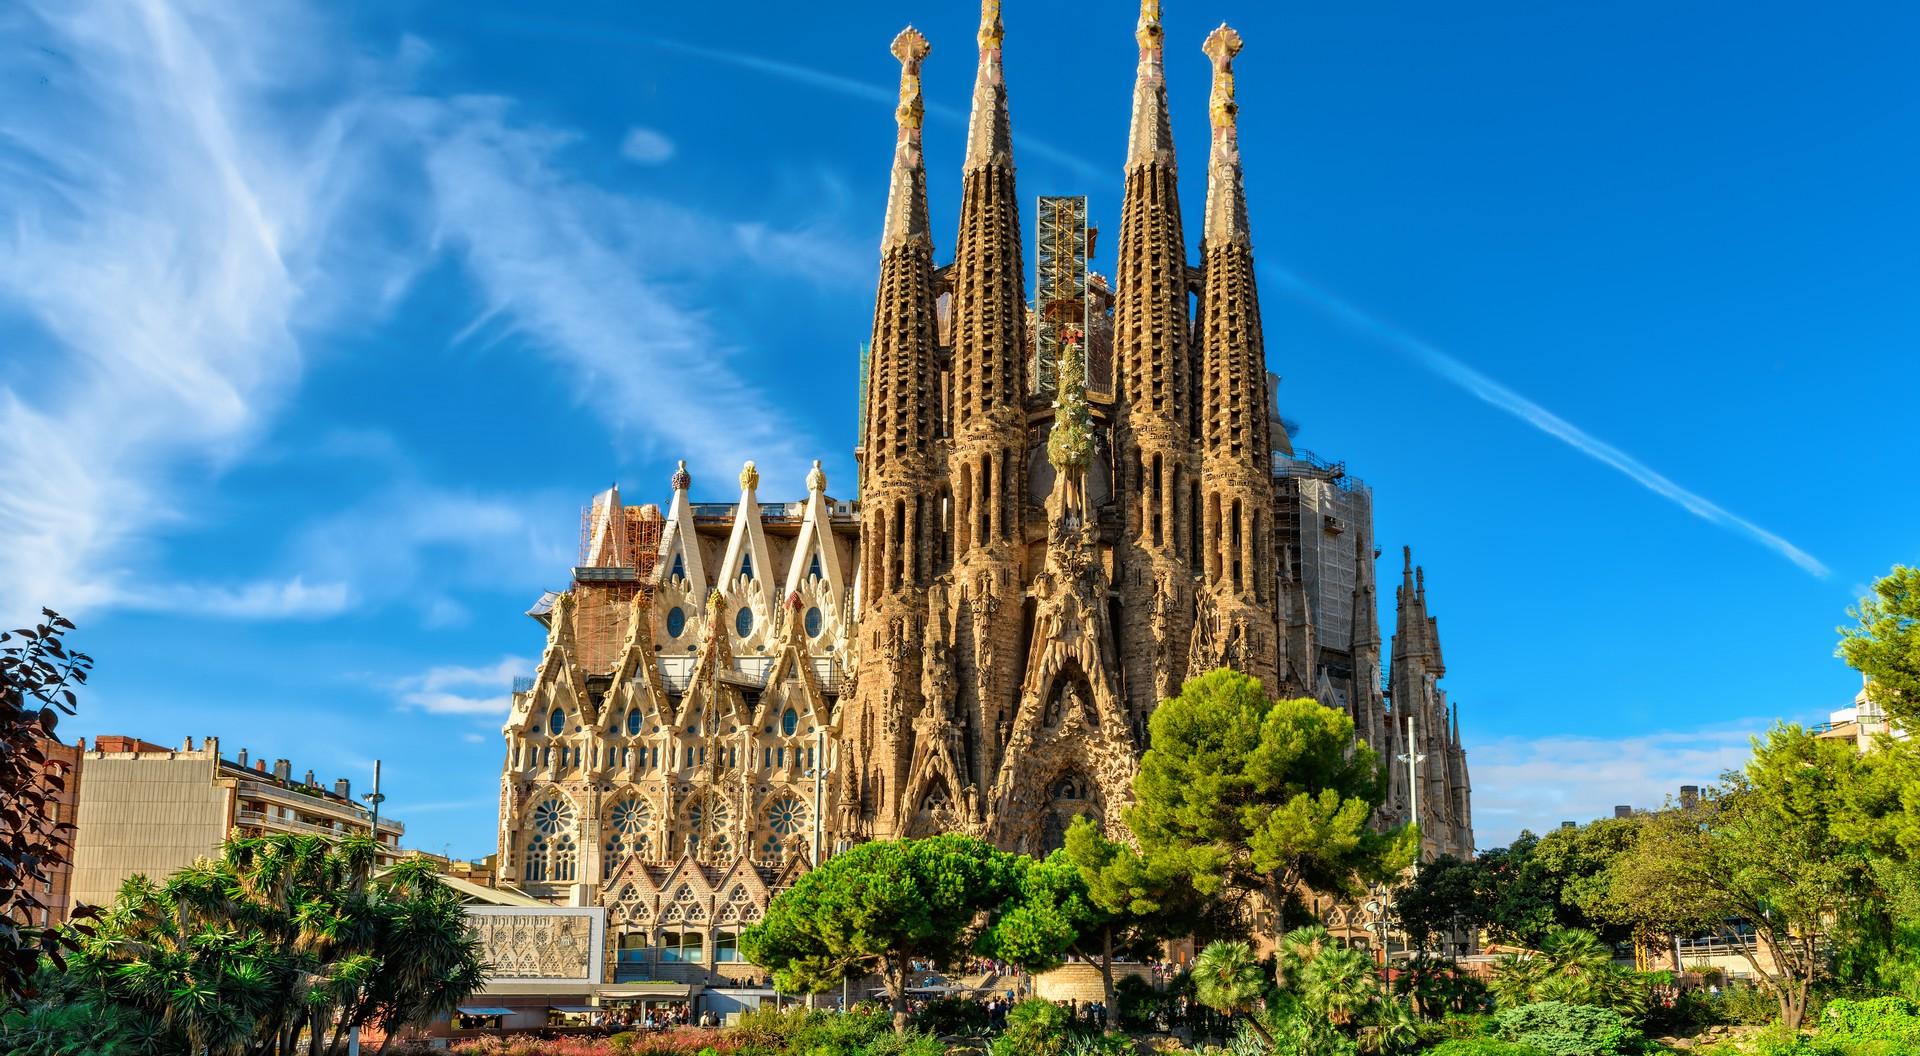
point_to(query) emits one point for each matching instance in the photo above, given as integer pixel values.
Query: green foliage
(279, 934)
(1238, 790)
(1436, 986)
(1484, 1047)
(1780, 846)
(1573, 967)
(1446, 896)
(950, 1016)
(1227, 978)
(1747, 1006)
(1891, 1021)
(879, 905)
(1034, 1028)
(71, 1028)
(1884, 643)
(1561, 1029)
(1560, 880)
(814, 1032)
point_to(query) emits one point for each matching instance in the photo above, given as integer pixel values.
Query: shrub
(1748, 1006)
(1561, 1029)
(912, 1043)
(951, 1015)
(1034, 1028)
(1483, 1047)
(1894, 1021)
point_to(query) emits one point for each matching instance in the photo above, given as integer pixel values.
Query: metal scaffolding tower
(1060, 284)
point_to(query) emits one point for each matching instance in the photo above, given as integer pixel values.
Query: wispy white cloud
(292, 599)
(644, 146)
(588, 278)
(1538, 782)
(160, 237)
(884, 94)
(1498, 395)
(195, 191)
(451, 689)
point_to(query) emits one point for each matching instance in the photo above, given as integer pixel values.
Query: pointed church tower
(897, 470)
(1237, 617)
(1158, 482)
(988, 456)
(1445, 823)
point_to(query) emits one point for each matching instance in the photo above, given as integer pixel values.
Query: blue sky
(318, 323)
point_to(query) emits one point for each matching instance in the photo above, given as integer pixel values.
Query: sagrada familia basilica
(1068, 504)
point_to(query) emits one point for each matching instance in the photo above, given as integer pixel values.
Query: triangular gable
(679, 546)
(607, 532)
(747, 563)
(815, 548)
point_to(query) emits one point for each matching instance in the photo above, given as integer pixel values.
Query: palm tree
(1516, 977)
(1339, 985)
(1228, 979)
(1298, 949)
(1395, 1028)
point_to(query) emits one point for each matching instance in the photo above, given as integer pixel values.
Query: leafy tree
(1238, 790)
(1884, 644)
(1447, 896)
(1097, 899)
(1227, 978)
(878, 907)
(1560, 880)
(38, 674)
(1775, 847)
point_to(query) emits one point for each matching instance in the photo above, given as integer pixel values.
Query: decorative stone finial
(816, 479)
(716, 604)
(907, 187)
(1226, 216)
(911, 48)
(1147, 31)
(749, 477)
(1221, 46)
(990, 31)
(1406, 559)
(989, 129)
(681, 478)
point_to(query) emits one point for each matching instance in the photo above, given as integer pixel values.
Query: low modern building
(146, 808)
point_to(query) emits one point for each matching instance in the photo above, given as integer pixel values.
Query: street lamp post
(374, 799)
(1413, 759)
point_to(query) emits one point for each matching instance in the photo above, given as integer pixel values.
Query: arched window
(708, 819)
(557, 722)
(676, 616)
(743, 622)
(552, 854)
(627, 825)
(814, 621)
(680, 571)
(813, 567)
(633, 723)
(789, 721)
(746, 565)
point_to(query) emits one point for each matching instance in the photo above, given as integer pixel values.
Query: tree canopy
(875, 908)
(1777, 847)
(279, 935)
(1238, 789)
(1884, 644)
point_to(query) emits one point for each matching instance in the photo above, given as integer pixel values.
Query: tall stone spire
(898, 506)
(1236, 458)
(1158, 466)
(987, 460)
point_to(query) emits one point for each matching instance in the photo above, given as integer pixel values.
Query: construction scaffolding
(618, 548)
(1060, 286)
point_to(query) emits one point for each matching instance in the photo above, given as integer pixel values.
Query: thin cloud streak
(874, 93)
(1494, 393)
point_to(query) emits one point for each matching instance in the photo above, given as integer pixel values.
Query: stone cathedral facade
(1050, 537)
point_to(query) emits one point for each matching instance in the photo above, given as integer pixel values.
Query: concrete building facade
(149, 809)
